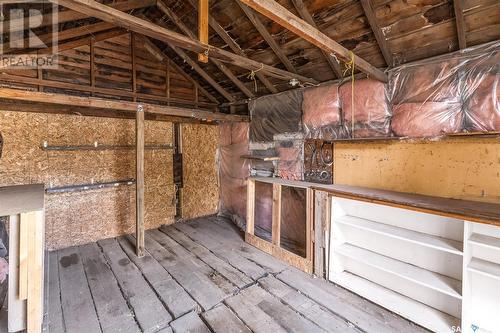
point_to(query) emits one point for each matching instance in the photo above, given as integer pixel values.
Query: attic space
(249, 166)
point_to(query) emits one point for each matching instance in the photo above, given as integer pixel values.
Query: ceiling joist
(377, 31)
(274, 11)
(118, 18)
(459, 19)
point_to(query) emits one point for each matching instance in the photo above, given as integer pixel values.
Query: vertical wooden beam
(459, 19)
(167, 80)
(250, 206)
(134, 72)
(321, 228)
(24, 240)
(139, 229)
(35, 272)
(309, 223)
(377, 31)
(203, 27)
(92, 63)
(306, 16)
(16, 306)
(276, 223)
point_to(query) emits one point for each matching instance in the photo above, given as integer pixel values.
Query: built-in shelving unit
(441, 272)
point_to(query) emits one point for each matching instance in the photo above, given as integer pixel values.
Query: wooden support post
(276, 226)
(24, 239)
(167, 80)
(139, 133)
(321, 229)
(250, 206)
(92, 63)
(203, 27)
(134, 72)
(35, 272)
(309, 223)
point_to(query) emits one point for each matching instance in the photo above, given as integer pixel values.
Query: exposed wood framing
(235, 47)
(178, 22)
(273, 247)
(203, 27)
(153, 49)
(69, 15)
(282, 16)
(322, 212)
(257, 23)
(459, 19)
(139, 182)
(377, 31)
(118, 18)
(113, 105)
(306, 16)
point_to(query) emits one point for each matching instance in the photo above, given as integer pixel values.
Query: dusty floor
(198, 276)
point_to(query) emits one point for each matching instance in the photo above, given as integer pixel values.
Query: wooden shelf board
(417, 275)
(484, 267)
(435, 242)
(485, 241)
(260, 158)
(417, 312)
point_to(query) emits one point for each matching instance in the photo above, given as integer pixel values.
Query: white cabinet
(415, 264)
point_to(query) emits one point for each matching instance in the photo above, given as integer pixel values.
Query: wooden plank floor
(197, 276)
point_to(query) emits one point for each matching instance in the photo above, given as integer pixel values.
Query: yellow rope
(350, 66)
(251, 76)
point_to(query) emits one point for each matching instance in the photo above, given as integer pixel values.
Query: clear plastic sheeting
(290, 149)
(427, 119)
(275, 114)
(366, 114)
(233, 170)
(321, 113)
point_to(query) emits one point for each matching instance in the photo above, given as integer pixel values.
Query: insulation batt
(482, 107)
(321, 106)
(290, 163)
(370, 102)
(427, 119)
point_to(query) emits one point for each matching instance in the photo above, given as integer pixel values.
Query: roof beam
(257, 23)
(377, 31)
(69, 15)
(155, 50)
(282, 16)
(459, 19)
(178, 22)
(306, 16)
(113, 105)
(118, 18)
(234, 47)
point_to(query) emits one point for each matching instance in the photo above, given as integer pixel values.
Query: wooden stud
(203, 9)
(285, 18)
(92, 63)
(139, 182)
(26, 223)
(309, 222)
(134, 71)
(321, 231)
(304, 13)
(377, 31)
(276, 226)
(35, 271)
(459, 20)
(250, 206)
(167, 79)
(141, 26)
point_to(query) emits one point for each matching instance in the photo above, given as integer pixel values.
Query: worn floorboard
(198, 276)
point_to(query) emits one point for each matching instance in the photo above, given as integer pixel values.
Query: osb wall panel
(81, 217)
(200, 194)
(457, 168)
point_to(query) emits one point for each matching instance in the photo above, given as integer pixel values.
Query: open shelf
(438, 243)
(415, 311)
(485, 241)
(484, 267)
(417, 275)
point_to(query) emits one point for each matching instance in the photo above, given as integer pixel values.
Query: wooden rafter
(8, 94)
(282, 16)
(153, 49)
(178, 22)
(306, 16)
(235, 47)
(377, 31)
(459, 19)
(108, 14)
(257, 23)
(69, 15)
(203, 27)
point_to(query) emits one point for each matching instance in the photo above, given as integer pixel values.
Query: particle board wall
(457, 168)
(85, 216)
(200, 194)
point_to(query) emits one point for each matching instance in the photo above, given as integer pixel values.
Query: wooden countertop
(474, 211)
(21, 199)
